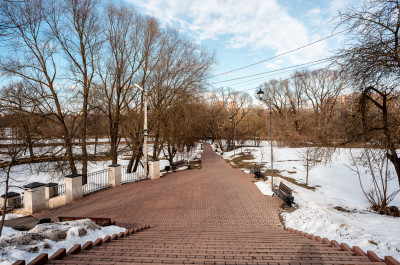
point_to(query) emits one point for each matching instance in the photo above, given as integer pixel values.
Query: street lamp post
(261, 94)
(234, 137)
(145, 132)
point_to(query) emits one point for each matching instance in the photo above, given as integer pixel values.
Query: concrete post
(73, 185)
(34, 197)
(154, 172)
(13, 200)
(114, 175)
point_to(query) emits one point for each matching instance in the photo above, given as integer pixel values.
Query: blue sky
(244, 32)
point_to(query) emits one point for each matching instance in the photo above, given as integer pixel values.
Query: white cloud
(253, 24)
(338, 5)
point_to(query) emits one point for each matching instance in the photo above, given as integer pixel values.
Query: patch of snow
(264, 187)
(10, 216)
(48, 238)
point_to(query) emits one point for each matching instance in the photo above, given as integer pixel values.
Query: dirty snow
(48, 238)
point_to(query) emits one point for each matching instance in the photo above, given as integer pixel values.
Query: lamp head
(260, 94)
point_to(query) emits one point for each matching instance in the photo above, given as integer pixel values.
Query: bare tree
(310, 156)
(122, 57)
(182, 68)
(231, 108)
(18, 102)
(76, 26)
(32, 59)
(372, 61)
(14, 153)
(376, 190)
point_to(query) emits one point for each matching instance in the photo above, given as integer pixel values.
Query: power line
(257, 87)
(281, 54)
(264, 77)
(272, 71)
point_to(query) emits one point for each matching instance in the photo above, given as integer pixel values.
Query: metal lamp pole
(145, 131)
(272, 150)
(261, 94)
(234, 136)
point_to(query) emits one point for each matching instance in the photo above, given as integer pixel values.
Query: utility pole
(145, 132)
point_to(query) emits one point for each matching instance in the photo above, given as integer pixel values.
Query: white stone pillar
(34, 197)
(114, 175)
(73, 185)
(154, 172)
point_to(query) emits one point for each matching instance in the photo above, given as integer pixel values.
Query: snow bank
(48, 238)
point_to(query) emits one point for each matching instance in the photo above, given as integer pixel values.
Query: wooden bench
(285, 193)
(98, 220)
(256, 170)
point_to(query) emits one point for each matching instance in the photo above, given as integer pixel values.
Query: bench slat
(283, 192)
(98, 220)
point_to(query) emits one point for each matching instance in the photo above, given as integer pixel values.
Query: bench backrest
(97, 220)
(285, 189)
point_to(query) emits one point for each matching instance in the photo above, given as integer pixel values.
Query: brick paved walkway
(216, 196)
(210, 216)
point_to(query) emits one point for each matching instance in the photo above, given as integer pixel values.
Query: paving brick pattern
(216, 197)
(200, 246)
(210, 216)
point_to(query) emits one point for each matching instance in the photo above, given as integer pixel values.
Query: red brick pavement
(216, 197)
(214, 215)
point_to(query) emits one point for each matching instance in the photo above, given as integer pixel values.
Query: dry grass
(242, 162)
(292, 180)
(239, 162)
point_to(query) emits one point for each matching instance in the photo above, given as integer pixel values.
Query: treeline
(309, 108)
(68, 70)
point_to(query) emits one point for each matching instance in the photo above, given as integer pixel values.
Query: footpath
(214, 215)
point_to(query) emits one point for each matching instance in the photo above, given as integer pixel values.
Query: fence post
(51, 190)
(34, 197)
(73, 187)
(13, 199)
(114, 175)
(154, 172)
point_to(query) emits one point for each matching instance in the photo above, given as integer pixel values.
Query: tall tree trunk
(5, 198)
(84, 133)
(113, 143)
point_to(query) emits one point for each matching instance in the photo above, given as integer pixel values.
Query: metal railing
(20, 202)
(61, 189)
(96, 181)
(134, 176)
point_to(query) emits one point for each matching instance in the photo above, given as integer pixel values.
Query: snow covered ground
(48, 238)
(337, 208)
